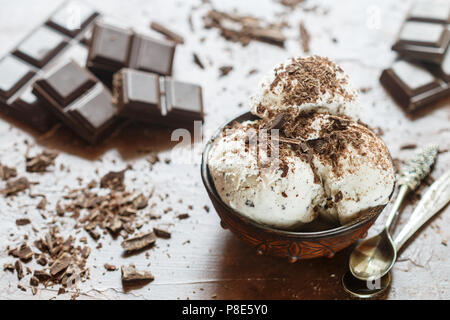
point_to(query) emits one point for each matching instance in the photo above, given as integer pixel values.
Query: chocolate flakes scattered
(243, 29)
(113, 180)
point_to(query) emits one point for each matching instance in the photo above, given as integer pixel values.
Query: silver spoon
(372, 258)
(434, 199)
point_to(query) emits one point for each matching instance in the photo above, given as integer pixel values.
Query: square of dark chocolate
(13, 75)
(424, 33)
(95, 110)
(72, 18)
(431, 11)
(412, 85)
(41, 46)
(109, 47)
(139, 91)
(66, 83)
(183, 100)
(152, 55)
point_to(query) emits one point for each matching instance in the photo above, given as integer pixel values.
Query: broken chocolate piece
(7, 172)
(166, 32)
(22, 221)
(139, 242)
(130, 274)
(15, 186)
(113, 180)
(161, 232)
(110, 267)
(60, 264)
(40, 162)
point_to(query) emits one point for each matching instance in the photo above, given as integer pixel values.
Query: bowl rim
(210, 187)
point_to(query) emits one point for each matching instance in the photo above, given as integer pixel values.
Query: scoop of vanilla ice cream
(339, 170)
(357, 174)
(257, 187)
(305, 84)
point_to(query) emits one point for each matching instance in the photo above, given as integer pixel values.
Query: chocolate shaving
(110, 267)
(304, 38)
(23, 221)
(171, 35)
(243, 29)
(113, 180)
(225, 70)
(198, 61)
(60, 264)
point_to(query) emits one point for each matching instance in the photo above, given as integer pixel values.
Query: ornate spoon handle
(434, 199)
(411, 175)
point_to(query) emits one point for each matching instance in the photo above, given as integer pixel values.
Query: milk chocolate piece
(41, 46)
(78, 99)
(412, 85)
(72, 18)
(131, 274)
(139, 242)
(147, 97)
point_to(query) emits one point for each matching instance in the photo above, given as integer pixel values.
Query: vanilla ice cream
(305, 84)
(320, 161)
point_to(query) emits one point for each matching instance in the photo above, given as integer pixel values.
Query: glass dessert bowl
(312, 240)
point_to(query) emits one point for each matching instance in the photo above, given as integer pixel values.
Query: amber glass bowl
(282, 243)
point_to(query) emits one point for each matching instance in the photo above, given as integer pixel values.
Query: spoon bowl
(374, 257)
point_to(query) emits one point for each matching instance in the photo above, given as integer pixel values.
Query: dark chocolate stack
(55, 73)
(34, 56)
(421, 74)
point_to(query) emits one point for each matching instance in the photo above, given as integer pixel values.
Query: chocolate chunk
(42, 275)
(148, 54)
(40, 47)
(171, 35)
(23, 222)
(110, 267)
(72, 18)
(162, 232)
(412, 85)
(13, 75)
(19, 269)
(109, 47)
(225, 70)
(15, 186)
(40, 162)
(425, 35)
(113, 48)
(130, 274)
(7, 172)
(113, 180)
(25, 254)
(183, 216)
(79, 100)
(34, 281)
(67, 83)
(61, 264)
(139, 242)
(145, 101)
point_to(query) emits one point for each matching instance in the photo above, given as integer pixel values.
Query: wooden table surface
(203, 261)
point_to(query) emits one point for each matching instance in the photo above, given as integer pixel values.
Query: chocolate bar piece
(40, 47)
(431, 11)
(425, 35)
(412, 85)
(45, 46)
(72, 18)
(151, 98)
(112, 48)
(78, 99)
(13, 75)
